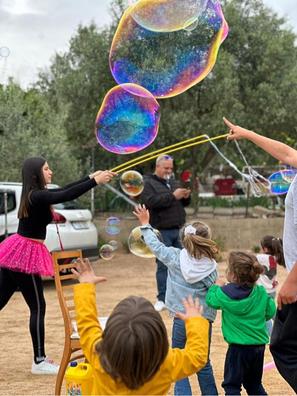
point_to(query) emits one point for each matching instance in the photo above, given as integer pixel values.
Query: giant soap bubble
(137, 245)
(167, 15)
(132, 183)
(167, 63)
(128, 119)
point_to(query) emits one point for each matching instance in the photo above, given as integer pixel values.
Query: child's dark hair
(134, 342)
(274, 247)
(244, 267)
(198, 242)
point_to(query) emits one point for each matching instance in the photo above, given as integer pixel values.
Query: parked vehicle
(74, 224)
(225, 186)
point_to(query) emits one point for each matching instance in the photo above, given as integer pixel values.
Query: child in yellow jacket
(132, 354)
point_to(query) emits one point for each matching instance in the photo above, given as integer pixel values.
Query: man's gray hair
(163, 157)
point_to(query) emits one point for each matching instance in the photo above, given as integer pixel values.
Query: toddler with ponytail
(246, 307)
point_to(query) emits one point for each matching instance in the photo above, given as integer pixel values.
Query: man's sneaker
(159, 306)
(46, 367)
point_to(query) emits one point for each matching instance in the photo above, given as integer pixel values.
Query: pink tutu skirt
(21, 254)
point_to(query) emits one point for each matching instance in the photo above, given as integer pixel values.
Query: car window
(68, 205)
(11, 202)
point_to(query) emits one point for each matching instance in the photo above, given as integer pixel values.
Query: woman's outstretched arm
(276, 149)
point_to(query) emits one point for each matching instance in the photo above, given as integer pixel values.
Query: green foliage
(254, 83)
(80, 79)
(235, 202)
(256, 249)
(30, 128)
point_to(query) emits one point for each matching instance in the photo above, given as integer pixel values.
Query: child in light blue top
(191, 271)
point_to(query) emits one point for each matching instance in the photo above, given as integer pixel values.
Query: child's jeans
(269, 323)
(244, 366)
(205, 376)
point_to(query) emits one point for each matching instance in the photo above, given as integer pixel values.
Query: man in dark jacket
(165, 201)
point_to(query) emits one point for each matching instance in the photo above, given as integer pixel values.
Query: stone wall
(229, 232)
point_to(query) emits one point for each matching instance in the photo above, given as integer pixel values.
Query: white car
(75, 225)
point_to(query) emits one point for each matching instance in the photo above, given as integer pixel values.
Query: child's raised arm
(164, 253)
(88, 325)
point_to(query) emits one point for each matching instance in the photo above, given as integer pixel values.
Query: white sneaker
(159, 306)
(46, 367)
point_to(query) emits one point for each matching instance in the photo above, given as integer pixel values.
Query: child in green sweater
(245, 307)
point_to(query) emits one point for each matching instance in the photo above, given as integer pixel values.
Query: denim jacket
(177, 287)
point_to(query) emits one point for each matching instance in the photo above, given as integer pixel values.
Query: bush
(235, 202)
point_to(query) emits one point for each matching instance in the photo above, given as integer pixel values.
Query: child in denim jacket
(191, 271)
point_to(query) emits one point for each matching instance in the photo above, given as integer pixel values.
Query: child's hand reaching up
(192, 309)
(85, 273)
(142, 214)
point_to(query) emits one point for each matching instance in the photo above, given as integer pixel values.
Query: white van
(75, 225)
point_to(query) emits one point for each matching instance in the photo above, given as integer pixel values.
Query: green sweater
(243, 321)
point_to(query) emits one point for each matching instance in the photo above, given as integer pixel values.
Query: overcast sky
(34, 30)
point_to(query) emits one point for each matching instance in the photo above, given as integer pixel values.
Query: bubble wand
(169, 149)
(160, 151)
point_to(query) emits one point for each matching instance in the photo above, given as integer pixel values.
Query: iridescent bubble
(112, 226)
(106, 252)
(137, 245)
(192, 26)
(167, 63)
(4, 52)
(114, 244)
(167, 15)
(128, 119)
(278, 185)
(132, 183)
(289, 174)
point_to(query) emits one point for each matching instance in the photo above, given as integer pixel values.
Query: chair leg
(62, 369)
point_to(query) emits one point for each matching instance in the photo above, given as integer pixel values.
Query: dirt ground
(127, 274)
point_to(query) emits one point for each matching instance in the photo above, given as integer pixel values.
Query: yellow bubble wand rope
(166, 150)
(159, 151)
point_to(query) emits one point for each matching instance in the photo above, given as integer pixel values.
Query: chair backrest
(65, 280)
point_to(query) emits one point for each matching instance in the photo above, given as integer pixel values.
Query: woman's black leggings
(31, 288)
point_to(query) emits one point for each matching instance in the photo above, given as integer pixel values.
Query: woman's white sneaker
(46, 367)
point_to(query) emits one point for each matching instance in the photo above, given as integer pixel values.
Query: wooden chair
(65, 280)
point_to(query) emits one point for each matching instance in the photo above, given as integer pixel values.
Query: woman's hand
(192, 309)
(142, 214)
(236, 132)
(103, 177)
(96, 173)
(84, 272)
